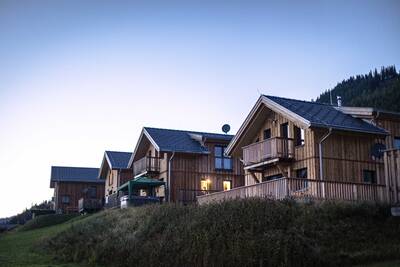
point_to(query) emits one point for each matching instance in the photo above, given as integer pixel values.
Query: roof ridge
(57, 166)
(113, 151)
(298, 100)
(187, 131)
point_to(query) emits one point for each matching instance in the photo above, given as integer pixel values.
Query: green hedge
(46, 220)
(250, 232)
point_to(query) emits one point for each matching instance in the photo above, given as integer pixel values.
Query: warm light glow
(205, 184)
(227, 185)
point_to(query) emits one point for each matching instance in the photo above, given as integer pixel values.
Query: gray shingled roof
(74, 174)
(180, 141)
(118, 160)
(327, 116)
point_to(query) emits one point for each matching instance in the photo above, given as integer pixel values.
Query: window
(205, 184)
(227, 184)
(301, 185)
(92, 192)
(301, 173)
(284, 130)
(299, 136)
(396, 142)
(272, 177)
(65, 199)
(222, 162)
(267, 134)
(369, 177)
(110, 179)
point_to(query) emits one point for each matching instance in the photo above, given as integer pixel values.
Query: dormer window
(222, 162)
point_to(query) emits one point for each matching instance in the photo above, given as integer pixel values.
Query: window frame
(286, 125)
(222, 158)
(299, 139)
(230, 184)
(373, 180)
(396, 139)
(267, 131)
(63, 197)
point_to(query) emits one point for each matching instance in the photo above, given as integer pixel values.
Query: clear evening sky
(80, 77)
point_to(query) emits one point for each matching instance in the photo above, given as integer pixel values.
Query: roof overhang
(143, 136)
(261, 103)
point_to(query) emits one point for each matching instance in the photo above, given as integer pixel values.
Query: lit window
(227, 185)
(205, 185)
(222, 162)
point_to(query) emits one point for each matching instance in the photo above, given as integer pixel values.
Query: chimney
(339, 101)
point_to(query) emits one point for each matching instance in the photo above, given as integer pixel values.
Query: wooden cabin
(293, 148)
(74, 183)
(190, 163)
(114, 171)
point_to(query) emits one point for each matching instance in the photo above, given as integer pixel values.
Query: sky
(81, 77)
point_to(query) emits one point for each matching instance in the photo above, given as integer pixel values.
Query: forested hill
(375, 89)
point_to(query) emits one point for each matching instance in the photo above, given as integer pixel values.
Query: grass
(250, 232)
(18, 248)
(46, 220)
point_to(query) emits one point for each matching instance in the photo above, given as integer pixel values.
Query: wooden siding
(392, 174)
(345, 154)
(188, 169)
(75, 191)
(393, 127)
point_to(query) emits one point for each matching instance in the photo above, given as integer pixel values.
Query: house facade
(190, 163)
(314, 149)
(114, 170)
(72, 184)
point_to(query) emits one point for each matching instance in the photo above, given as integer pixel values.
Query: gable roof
(118, 159)
(170, 140)
(307, 114)
(326, 116)
(74, 174)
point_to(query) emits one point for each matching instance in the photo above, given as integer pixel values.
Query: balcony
(146, 165)
(303, 189)
(268, 151)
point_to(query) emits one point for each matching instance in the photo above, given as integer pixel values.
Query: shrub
(46, 220)
(252, 232)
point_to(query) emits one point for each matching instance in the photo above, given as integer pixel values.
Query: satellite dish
(377, 150)
(226, 128)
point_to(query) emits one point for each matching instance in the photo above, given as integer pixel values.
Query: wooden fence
(303, 188)
(392, 174)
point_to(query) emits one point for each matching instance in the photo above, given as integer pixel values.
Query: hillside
(375, 89)
(253, 232)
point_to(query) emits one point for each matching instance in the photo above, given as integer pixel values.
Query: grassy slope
(17, 247)
(234, 233)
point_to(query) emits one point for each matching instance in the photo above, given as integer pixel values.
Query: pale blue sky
(79, 77)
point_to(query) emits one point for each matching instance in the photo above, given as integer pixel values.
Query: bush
(253, 232)
(46, 220)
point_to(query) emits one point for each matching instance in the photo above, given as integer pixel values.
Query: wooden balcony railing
(89, 204)
(112, 201)
(272, 148)
(303, 188)
(146, 164)
(190, 195)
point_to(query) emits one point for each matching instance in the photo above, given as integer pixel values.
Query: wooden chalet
(189, 163)
(74, 186)
(114, 172)
(293, 148)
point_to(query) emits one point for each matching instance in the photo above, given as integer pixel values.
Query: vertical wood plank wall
(75, 191)
(392, 174)
(345, 154)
